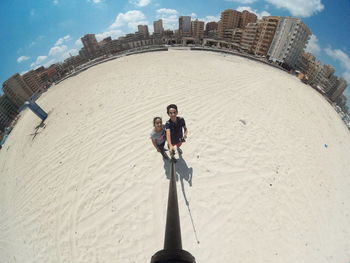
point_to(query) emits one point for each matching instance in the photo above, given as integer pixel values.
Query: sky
(42, 32)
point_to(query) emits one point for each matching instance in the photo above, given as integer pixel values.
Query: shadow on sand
(40, 127)
(184, 173)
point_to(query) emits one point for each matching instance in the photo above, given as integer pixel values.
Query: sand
(265, 173)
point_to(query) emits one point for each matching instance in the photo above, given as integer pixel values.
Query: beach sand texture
(268, 157)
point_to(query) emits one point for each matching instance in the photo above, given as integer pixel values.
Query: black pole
(172, 252)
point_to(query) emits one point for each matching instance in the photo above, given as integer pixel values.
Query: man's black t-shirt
(175, 129)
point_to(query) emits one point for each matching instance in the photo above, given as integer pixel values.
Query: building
(8, 111)
(158, 27)
(17, 90)
(338, 90)
(143, 30)
(90, 45)
(197, 29)
(266, 32)
(211, 26)
(237, 35)
(211, 29)
(230, 19)
(185, 25)
(249, 36)
(290, 40)
(33, 81)
(246, 18)
(229, 34)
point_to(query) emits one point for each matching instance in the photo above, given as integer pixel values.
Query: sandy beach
(268, 159)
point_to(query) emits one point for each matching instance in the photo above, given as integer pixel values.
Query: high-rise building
(90, 44)
(338, 90)
(185, 25)
(8, 111)
(290, 40)
(237, 35)
(211, 29)
(32, 79)
(158, 27)
(211, 26)
(229, 34)
(197, 28)
(249, 36)
(143, 30)
(247, 17)
(230, 19)
(17, 90)
(7, 106)
(266, 31)
(329, 70)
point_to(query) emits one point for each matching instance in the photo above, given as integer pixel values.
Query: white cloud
(344, 60)
(55, 2)
(242, 1)
(248, 8)
(72, 52)
(24, 72)
(40, 59)
(299, 7)
(114, 33)
(170, 18)
(61, 40)
(130, 19)
(167, 11)
(140, 3)
(78, 42)
(22, 58)
(95, 1)
(210, 18)
(313, 45)
(57, 50)
(193, 15)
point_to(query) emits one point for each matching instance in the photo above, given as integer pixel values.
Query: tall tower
(266, 32)
(158, 26)
(17, 90)
(247, 17)
(290, 40)
(197, 28)
(33, 81)
(229, 20)
(185, 25)
(143, 30)
(90, 44)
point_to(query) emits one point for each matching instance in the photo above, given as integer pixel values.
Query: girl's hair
(154, 120)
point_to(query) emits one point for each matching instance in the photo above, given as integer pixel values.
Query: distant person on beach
(176, 130)
(158, 136)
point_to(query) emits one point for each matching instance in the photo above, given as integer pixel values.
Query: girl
(158, 136)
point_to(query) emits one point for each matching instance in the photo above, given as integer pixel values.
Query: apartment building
(33, 81)
(17, 90)
(249, 36)
(158, 27)
(185, 25)
(197, 28)
(266, 32)
(246, 18)
(290, 40)
(230, 19)
(143, 30)
(338, 89)
(90, 44)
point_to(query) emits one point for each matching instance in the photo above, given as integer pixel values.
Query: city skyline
(45, 45)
